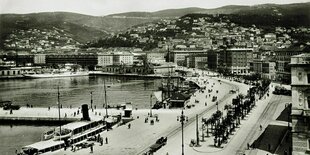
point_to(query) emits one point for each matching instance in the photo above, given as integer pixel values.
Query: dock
(49, 116)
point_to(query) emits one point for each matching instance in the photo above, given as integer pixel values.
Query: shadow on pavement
(284, 116)
(275, 139)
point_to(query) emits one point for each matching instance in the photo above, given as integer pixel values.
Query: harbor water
(74, 91)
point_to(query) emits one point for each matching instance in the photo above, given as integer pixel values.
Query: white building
(156, 57)
(105, 60)
(115, 58)
(39, 59)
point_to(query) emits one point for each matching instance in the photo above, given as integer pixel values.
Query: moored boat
(56, 75)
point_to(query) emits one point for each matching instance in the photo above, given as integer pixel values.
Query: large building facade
(300, 76)
(283, 58)
(179, 56)
(236, 60)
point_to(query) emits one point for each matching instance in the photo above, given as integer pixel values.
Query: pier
(44, 116)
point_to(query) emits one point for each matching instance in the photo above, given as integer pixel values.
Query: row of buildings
(272, 64)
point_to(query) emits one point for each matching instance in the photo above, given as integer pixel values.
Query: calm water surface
(74, 91)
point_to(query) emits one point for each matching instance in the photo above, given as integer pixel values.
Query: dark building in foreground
(300, 69)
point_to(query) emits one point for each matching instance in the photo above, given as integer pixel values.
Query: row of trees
(220, 126)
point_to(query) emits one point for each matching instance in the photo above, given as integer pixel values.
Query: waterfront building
(8, 72)
(265, 68)
(122, 58)
(212, 59)
(178, 56)
(262, 65)
(157, 57)
(79, 59)
(283, 58)
(105, 60)
(300, 75)
(236, 60)
(199, 61)
(39, 59)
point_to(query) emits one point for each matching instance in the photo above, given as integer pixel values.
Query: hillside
(85, 28)
(169, 13)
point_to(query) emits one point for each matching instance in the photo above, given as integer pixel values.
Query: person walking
(91, 149)
(106, 140)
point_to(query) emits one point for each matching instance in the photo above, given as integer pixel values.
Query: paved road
(192, 118)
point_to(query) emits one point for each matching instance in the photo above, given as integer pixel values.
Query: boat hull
(61, 75)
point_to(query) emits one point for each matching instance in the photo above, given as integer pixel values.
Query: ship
(55, 75)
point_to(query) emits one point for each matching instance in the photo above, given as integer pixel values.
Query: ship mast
(106, 104)
(58, 102)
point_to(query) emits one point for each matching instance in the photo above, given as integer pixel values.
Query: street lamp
(182, 119)
(288, 106)
(151, 106)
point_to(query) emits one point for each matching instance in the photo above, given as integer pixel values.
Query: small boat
(74, 132)
(49, 134)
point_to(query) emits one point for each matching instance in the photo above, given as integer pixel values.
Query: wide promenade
(141, 135)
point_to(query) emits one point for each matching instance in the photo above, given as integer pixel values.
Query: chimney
(85, 112)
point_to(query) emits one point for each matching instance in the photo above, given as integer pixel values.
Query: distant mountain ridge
(295, 8)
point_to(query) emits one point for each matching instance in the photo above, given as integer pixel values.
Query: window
(299, 76)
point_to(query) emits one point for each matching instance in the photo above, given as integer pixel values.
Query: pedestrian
(248, 146)
(206, 104)
(98, 138)
(91, 149)
(261, 127)
(129, 126)
(101, 141)
(106, 140)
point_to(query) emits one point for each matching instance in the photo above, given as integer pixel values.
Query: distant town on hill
(78, 29)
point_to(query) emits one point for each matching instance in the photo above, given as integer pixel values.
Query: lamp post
(182, 118)
(91, 100)
(287, 105)
(151, 105)
(58, 102)
(106, 106)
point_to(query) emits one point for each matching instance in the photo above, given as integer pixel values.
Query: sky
(106, 7)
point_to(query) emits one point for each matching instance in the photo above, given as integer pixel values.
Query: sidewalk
(248, 132)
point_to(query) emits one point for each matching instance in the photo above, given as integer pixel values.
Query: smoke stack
(85, 112)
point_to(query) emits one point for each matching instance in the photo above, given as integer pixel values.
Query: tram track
(264, 119)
